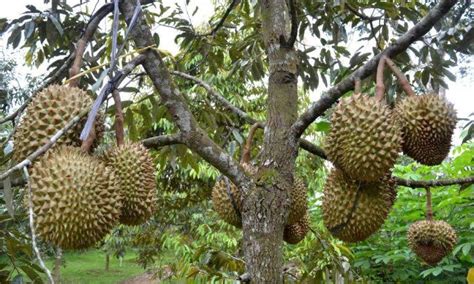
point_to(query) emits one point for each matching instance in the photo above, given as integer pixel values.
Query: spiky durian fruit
(352, 210)
(431, 240)
(427, 122)
(364, 140)
(135, 173)
(299, 201)
(296, 232)
(75, 198)
(49, 111)
(227, 199)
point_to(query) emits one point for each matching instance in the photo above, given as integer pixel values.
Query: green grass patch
(89, 267)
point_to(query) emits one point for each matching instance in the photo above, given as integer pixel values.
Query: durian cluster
(364, 143)
(227, 202)
(78, 198)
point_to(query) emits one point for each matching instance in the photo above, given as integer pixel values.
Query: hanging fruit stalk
(379, 85)
(402, 79)
(429, 209)
(119, 120)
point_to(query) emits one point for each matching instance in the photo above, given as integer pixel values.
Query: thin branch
(162, 140)
(433, 183)
(32, 227)
(246, 153)
(360, 14)
(231, 7)
(308, 146)
(334, 93)
(243, 115)
(119, 131)
(294, 27)
(313, 149)
(89, 31)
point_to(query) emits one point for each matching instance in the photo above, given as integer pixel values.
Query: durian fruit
(135, 173)
(431, 240)
(299, 201)
(352, 210)
(49, 111)
(75, 198)
(427, 122)
(227, 199)
(296, 232)
(364, 140)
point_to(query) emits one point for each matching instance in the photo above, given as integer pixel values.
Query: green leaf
(35, 277)
(56, 24)
(323, 126)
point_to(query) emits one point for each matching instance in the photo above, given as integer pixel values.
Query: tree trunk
(107, 262)
(266, 208)
(57, 266)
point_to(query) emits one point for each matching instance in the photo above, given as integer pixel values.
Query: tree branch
(313, 149)
(89, 31)
(310, 147)
(360, 14)
(231, 7)
(163, 140)
(193, 136)
(433, 183)
(240, 113)
(334, 93)
(294, 27)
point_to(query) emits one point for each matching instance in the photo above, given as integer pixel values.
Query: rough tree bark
(265, 209)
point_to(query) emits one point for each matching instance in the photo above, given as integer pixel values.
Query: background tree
(196, 115)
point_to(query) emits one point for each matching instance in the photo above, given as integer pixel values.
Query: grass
(89, 268)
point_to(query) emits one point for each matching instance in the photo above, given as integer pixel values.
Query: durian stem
(119, 121)
(379, 85)
(429, 209)
(357, 86)
(402, 79)
(87, 144)
(246, 153)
